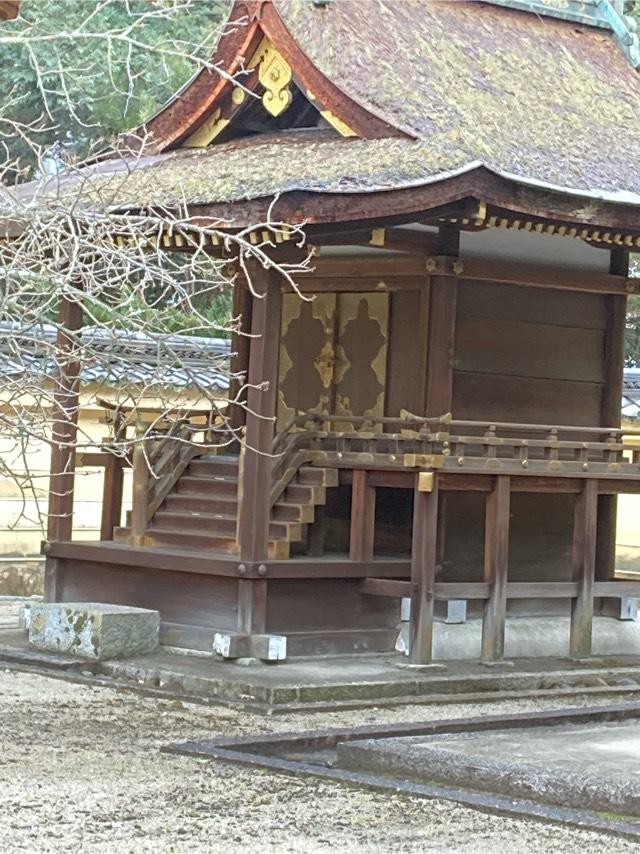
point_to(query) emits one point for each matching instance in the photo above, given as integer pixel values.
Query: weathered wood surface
(363, 517)
(583, 560)
(65, 422)
(496, 566)
(423, 574)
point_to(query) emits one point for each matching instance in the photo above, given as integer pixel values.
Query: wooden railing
(157, 465)
(445, 443)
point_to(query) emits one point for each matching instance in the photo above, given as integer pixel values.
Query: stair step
(316, 476)
(227, 505)
(218, 525)
(207, 485)
(277, 549)
(299, 493)
(214, 466)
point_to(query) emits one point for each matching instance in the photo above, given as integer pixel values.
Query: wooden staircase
(201, 510)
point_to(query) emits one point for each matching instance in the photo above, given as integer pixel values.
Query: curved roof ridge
(249, 22)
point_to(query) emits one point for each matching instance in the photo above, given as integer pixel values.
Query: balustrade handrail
(570, 448)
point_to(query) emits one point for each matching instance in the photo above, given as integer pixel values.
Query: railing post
(423, 570)
(140, 495)
(585, 527)
(496, 565)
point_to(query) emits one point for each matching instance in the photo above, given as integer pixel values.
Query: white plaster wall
(534, 248)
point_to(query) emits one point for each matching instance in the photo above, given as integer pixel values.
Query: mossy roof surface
(533, 95)
(237, 171)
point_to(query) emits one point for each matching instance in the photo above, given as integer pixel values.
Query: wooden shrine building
(441, 419)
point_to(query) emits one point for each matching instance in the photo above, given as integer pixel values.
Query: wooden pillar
(140, 492)
(240, 347)
(496, 566)
(363, 517)
(65, 423)
(111, 498)
(254, 488)
(423, 571)
(442, 329)
(611, 402)
(583, 559)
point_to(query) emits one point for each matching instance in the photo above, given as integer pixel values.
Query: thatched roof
(436, 85)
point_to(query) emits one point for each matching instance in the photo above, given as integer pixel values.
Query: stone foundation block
(93, 630)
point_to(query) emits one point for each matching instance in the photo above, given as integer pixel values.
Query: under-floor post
(423, 572)
(252, 606)
(496, 566)
(65, 422)
(111, 498)
(585, 526)
(363, 517)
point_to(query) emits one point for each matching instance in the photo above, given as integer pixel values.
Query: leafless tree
(87, 285)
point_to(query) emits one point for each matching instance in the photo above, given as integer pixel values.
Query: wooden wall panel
(527, 400)
(522, 349)
(533, 305)
(406, 365)
(528, 354)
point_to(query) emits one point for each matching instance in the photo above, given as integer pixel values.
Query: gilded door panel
(305, 373)
(361, 354)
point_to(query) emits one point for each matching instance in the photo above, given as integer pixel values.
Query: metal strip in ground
(266, 752)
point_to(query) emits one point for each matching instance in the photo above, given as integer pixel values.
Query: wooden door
(333, 355)
(361, 354)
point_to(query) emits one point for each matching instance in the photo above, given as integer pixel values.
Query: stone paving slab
(587, 766)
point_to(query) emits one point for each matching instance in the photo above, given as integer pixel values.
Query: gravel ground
(80, 770)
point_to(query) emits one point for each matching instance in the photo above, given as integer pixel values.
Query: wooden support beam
(496, 565)
(583, 559)
(240, 347)
(140, 492)
(611, 396)
(423, 573)
(316, 532)
(363, 517)
(252, 606)
(111, 497)
(255, 477)
(254, 487)
(442, 327)
(65, 422)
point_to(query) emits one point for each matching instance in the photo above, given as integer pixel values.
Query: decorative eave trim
(250, 23)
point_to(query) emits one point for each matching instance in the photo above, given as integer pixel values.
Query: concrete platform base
(583, 766)
(330, 683)
(93, 630)
(531, 637)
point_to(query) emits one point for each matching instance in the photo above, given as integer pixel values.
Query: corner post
(584, 560)
(254, 486)
(616, 308)
(240, 347)
(442, 327)
(423, 571)
(496, 566)
(65, 422)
